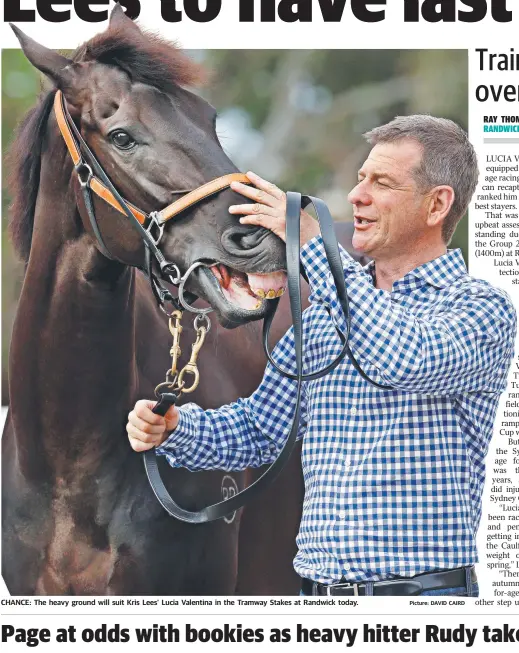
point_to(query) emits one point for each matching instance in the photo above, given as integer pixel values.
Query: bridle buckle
(154, 224)
(82, 167)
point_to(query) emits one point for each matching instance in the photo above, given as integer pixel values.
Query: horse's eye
(122, 139)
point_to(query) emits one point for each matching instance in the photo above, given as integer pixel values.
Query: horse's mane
(145, 57)
(24, 161)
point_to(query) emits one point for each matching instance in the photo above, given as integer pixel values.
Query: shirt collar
(440, 272)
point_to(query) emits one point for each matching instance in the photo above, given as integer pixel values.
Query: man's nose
(359, 194)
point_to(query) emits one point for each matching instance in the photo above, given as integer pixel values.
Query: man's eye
(122, 139)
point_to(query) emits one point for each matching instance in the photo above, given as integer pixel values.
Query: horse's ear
(118, 18)
(57, 67)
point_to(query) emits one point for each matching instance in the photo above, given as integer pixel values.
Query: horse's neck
(73, 347)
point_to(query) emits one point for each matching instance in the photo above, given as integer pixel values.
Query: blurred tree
(20, 87)
(297, 116)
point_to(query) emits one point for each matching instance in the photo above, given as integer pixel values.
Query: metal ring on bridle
(199, 318)
(166, 268)
(192, 309)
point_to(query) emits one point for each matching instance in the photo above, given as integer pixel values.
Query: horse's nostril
(235, 238)
(248, 241)
(242, 238)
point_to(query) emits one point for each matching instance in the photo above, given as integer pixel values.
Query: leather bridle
(93, 179)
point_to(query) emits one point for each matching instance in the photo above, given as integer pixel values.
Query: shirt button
(347, 462)
(342, 514)
(353, 410)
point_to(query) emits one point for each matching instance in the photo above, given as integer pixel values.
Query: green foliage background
(294, 116)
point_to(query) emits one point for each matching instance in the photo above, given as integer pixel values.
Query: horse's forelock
(24, 162)
(144, 56)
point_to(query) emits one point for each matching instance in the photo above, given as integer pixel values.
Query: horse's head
(125, 90)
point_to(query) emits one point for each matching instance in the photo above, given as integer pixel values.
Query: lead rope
(169, 391)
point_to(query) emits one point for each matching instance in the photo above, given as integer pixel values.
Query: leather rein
(93, 180)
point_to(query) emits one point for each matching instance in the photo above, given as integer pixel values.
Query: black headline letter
(411, 11)
(47, 12)
(210, 13)
(268, 11)
(14, 14)
(169, 11)
(133, 8)
(500, 12)
(289, 14)
(85, 13)
(446, 13)
(479, 11)
(246, 11)
(360, 10)
(332, 10)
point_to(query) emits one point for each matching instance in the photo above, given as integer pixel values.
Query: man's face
(390, 212)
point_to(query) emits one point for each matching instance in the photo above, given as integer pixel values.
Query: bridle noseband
(93, 180)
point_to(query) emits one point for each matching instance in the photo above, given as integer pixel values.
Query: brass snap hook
(191, 367)
(175, 328)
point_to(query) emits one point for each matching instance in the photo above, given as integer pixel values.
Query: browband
(192, 197)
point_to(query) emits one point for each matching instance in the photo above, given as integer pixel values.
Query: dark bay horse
(89, 340)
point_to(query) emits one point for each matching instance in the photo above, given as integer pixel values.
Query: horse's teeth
(257, 305)
(271, 294)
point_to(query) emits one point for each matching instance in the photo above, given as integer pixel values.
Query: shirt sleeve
(467, 349)
(247, 433)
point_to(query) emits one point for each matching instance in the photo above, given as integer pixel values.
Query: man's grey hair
(448, 159)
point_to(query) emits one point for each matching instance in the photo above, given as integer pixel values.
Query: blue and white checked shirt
(393, 478)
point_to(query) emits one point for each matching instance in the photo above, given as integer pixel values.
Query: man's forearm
(226, 438)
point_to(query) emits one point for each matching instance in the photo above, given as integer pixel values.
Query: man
(393, 478)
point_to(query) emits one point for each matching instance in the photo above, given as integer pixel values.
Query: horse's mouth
(248, 291)
(238, 297)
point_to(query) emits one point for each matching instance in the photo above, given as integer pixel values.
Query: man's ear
(441, 201)
(62, 71)
(119, 19)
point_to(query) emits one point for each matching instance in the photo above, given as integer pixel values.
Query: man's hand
(270, 208)
(147, 430)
